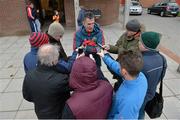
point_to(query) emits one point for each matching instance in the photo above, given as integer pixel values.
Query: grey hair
(48, 55)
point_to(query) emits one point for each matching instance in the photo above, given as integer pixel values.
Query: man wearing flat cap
(128, 40)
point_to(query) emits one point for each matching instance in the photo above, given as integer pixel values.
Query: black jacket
(48, 90)
(67, 113)
(62, 53)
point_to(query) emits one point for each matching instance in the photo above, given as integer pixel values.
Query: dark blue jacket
(81, 17)
(65, 67)
(30, 60)
(153, 66)
(82, 35)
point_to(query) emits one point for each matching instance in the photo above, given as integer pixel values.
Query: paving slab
(166, 91)
(26, 105)
(27, 114)
(15, 85)
(7, 115)
(8, 73)
(3, 84)
(173, 84)
(10, 101)
(171, 108)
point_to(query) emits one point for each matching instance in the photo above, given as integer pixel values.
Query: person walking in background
(82, 12)
(31, 12)
(37, 21)
(91, 98)
(36, 40)
(129, 97)
(45, 87)
(153, 65)
(56, 16)
(89, 31)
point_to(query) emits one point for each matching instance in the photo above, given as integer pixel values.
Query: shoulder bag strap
(162, 74)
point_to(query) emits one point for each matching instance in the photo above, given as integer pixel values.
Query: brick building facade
(13, 16)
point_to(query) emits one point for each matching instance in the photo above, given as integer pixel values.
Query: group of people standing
(75, 87)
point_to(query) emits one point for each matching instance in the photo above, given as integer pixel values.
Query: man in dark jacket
(89, 31)
(153, 65)
(45, 87)
(55, 33)
(30, 59)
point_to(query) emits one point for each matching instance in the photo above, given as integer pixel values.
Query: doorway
(46, 9)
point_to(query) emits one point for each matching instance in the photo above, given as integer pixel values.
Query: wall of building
(13, 20)
(148, 3)
(109, 10)
(178, 1)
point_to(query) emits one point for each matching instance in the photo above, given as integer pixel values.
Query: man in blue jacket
(153, 65)
(89, 31)
(37, 39)
(129, 97)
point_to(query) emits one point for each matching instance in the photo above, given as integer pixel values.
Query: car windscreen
(135, 4)
(172, 4)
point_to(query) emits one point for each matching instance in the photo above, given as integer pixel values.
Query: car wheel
(162, 14)
(149, 11)
(174, 15)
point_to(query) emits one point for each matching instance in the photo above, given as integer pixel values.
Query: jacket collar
(44, 67)
(149, 52)
(34, 50)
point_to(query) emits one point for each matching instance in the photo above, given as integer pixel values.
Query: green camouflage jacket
(124, 43)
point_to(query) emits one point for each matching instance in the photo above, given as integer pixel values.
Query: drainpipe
(76, 10)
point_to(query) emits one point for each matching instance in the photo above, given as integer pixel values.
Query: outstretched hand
(101, 53)
(106, 47)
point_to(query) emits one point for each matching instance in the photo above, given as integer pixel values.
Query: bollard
(178, 70)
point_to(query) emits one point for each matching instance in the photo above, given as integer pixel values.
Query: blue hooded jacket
(82, 35)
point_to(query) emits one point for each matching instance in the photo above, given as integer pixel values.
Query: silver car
(135, 8)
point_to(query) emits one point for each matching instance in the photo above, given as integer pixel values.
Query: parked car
(135, 8)
(164, 9)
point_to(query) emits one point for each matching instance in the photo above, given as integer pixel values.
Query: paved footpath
(13, 49)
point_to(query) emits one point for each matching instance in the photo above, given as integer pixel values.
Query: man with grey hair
(45, 87)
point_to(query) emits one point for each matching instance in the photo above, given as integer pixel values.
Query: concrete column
(76, 9)
(126, 12)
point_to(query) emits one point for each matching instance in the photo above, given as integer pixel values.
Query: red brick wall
(178, 1)
(13, 20)
(109, 10)
(69, 12)
(148, 3)
(122, 2)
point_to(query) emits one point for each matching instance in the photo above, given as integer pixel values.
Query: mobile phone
(80, 50)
